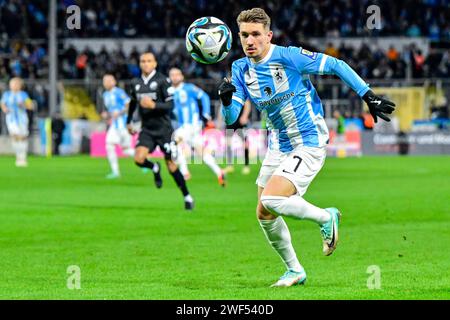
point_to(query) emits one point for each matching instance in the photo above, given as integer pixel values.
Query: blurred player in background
(14, 103)
(239, 127)
(190, 120)
(276, 79)
(151, 95)
(116, 103)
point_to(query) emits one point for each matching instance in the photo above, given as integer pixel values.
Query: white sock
(112, 158)
(22, 150)
(296, 207)
(128, 151)
(277, 233)
(182, 165)
(188, 198)
(16, 147)
(211, 162)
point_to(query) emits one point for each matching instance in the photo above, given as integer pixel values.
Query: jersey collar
(266, 58)
(147, 79)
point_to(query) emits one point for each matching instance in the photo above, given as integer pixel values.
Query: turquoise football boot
(291, 278)
(330, 231)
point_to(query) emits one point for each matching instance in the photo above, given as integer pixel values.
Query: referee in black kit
(151, 94)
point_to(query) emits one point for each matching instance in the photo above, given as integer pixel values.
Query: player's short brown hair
(255, 15)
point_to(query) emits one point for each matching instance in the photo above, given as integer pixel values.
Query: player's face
(255, 39)
(176, 76)
(15, 85)
(147, 63)
(109, 82)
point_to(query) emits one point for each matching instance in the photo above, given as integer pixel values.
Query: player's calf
(181, 183)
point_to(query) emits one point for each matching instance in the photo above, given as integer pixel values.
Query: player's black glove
(378, 106)
(225, 91)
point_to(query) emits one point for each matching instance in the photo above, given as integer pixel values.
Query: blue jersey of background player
(15, 105)
(186, 107)
(116, 101)
(190, 117)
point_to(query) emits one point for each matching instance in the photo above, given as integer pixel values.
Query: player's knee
(139, 159)
(272, 204)
(262, 213)
(110, 147)
(171, 165)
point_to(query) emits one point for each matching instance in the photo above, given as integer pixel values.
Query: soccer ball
(208, 40)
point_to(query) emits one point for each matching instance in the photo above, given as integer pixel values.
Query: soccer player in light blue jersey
(116, 103)
(276, 80)
(14, 104)
(190, 121)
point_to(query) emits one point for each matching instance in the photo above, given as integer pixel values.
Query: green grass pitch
(132, 241)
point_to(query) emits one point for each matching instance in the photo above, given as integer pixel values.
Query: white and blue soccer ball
(208, 40)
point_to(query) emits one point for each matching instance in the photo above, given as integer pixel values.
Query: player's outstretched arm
(205, 103)
(319, 63)
(378, 106)
(166, 105)
(131, 109)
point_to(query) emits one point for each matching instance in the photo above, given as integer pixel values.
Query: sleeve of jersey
(319, 63)
(206, 102)
(103, 104)
(26, 100)
(132, 106)
(167, 104)
(125, 98)
(231, 113)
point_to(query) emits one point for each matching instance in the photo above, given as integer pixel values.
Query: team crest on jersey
(138, 86)
(171, 90)
(153, 85)
(278, 75)
(309, 54)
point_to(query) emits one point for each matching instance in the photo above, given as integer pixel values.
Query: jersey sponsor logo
(152, 95)
(309, 54)
(276, 100)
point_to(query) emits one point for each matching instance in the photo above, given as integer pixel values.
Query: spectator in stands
(392, 54)
(331, 50)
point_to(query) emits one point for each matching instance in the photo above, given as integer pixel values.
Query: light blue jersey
(186, 108)
(116, 99)
(279, 86)
(15, 102)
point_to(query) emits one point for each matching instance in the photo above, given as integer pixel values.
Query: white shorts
(17, 128)
(118, 136)
(189, 134)
(300, 166)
